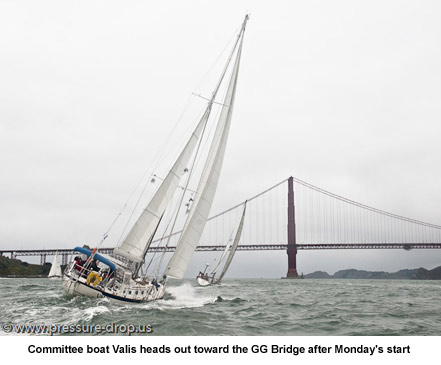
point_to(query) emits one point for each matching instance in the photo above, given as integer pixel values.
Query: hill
(17, 268)
(406, 274)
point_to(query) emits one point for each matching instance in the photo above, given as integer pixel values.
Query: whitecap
(183, 296)
(94, 311)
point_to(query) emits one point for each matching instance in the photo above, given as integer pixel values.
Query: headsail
(224, 255)
(205, 192)
(138, 239)
(234, 245)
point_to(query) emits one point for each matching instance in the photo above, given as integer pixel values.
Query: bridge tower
(292, 246)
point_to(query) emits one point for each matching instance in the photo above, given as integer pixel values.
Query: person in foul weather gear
(78, 263)
(155, 284)
(94, 266)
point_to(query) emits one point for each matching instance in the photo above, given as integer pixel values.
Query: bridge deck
(259, 247)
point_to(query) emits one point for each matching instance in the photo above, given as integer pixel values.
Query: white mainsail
(55, 271)
(234, 245)
(205, 192)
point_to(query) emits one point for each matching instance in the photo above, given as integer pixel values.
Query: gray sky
(342, 94)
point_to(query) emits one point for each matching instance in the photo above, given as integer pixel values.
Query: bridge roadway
(257, 247)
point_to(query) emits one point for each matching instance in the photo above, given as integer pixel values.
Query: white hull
(206, 280)
(203, 282)
(74, 284)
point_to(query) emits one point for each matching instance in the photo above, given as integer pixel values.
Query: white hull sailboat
(112, 279)
(206, 279)
(203, 278)
(97, 275)
(55, 271)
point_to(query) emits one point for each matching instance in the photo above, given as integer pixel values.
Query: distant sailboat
(55, 271)
(120, 280)
(205, 279)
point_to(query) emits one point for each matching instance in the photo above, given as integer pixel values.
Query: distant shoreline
(23, 277)
(405, 274)
(13, 268)
(17, 269)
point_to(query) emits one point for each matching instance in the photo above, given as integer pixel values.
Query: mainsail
(55, 270)
(195, 222)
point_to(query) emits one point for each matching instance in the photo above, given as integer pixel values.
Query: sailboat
(205, 279)
(118, 277)
(55, 271)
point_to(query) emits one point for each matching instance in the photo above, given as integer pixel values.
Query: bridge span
(314, 219)
(13, 254)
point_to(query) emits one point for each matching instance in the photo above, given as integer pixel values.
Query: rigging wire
(161, 152)
(216, 61)
(174, 213)
(190, 172)
(366, 207)
(154, 163)
(236, 206)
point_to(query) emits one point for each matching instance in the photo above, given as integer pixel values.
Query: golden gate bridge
(294, 215)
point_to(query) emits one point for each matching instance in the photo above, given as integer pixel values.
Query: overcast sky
(342, 94)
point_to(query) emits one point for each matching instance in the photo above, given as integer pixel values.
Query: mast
(138, 240)
(205, 192)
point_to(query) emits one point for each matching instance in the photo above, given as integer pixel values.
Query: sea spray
(185, 296)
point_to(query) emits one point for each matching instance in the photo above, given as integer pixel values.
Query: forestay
(205, 192)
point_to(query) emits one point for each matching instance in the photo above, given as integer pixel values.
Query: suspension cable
(360, 205)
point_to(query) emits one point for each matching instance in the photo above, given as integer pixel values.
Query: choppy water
(242, 307)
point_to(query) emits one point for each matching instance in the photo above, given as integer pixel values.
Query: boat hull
(203, 282)
(79, 286)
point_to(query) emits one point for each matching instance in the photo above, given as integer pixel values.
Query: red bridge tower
(292, 247)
